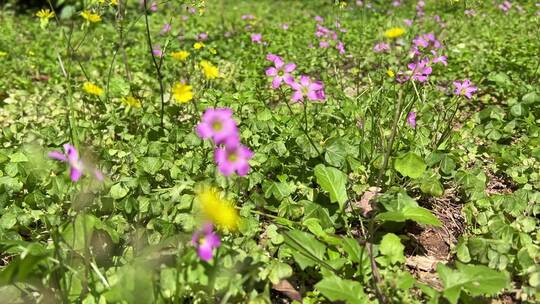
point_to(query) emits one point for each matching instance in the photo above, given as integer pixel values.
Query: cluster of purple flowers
(230, 155)
(249, 21)
(328, 37)
(303, 88)
(425, 51)
(420, 8)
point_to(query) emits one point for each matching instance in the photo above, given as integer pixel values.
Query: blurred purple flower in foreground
(205, 241)
(76, 166)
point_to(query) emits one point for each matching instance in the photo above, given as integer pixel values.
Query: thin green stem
(389, 147)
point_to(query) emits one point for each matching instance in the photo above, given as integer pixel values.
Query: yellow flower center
(217, 126)
(233, 157)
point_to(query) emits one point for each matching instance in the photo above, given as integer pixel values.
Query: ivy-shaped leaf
(474, 279)
(337, 289)
(410, 165)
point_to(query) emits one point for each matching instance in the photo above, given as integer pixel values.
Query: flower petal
(75, 174)
(271, 71)
(57, 155)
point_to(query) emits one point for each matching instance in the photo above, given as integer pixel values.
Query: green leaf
(279, 190)
(356, 253)
(79, 234)
(417, 214)
(337, 289)
(278, 271)
(410, 165)
(168, 282)
(392, 248)
(151, 165)
(332, 181)
(18, 157)
(310, 250)
(336, 151)
(474, 279)
(118, 191)
(8, 220)
(432, 186)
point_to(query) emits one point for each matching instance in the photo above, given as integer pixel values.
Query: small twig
(156, 65)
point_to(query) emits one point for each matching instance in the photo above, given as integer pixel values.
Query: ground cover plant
(269, 151)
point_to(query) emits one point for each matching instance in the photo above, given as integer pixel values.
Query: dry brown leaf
(365, 201)
(287, 289)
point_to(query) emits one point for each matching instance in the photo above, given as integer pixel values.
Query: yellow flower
(3, 54)
(182, 92)
(180, 55)
(131, 101)
(210, 71)
(212, 51)
(114, 2)
(198, 45)
(394, 32)
(92, 89)
(45, 14)
(390, 73)
(217, 209)
(91, 17)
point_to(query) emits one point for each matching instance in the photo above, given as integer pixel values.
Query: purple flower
(420, 70)
(285, 26)
(233, 158)
(470, 12)
(281, 72)
(340, 47)
(157, 51)
(202, 36)
(257, 38)
(273, 58)
(192, 10)
(248, 17)
(205, 241)
(408, 22)
(218, 125)
(165, 29)
(381, 47)
(464, 88)
(76, 166)
(505, 6)
(154, 6)
(319, 19)
(411, 119)
(437, 59)
(396, 3)
(307, 88)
